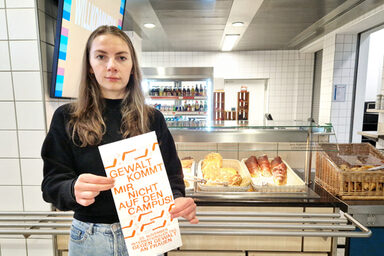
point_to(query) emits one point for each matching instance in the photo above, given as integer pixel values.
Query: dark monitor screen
(76, 19)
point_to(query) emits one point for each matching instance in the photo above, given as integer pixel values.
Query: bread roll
(265, 166)
(279, 174)
(253, 166)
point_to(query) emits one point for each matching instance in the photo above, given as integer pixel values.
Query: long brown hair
(86, 124)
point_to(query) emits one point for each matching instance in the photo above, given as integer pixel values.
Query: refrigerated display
(183, 95)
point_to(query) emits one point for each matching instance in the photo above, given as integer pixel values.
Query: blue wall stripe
(67, 7)
(66, 15)
(63, 48)
(58, 93)
(59, 79)
(62, 55)
(121, 10)
(63, 39)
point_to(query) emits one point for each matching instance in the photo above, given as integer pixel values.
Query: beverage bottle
(188, 91)
(201, 90)
(197, 93)
(166, 91)
(184, 92)
(205, 106)
(169, 93)
(197, 106)
(193, 91)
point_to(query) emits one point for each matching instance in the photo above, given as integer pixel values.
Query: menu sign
(142, 194)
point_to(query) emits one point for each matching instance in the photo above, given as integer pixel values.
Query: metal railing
(210, 223)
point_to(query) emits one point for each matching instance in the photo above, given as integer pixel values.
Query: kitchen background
(27, 30)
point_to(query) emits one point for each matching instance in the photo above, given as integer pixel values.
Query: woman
(110, 107)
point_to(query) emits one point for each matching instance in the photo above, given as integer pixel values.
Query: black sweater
(64, 162)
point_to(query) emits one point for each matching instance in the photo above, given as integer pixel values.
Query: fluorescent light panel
(229, 42)
(149, 25)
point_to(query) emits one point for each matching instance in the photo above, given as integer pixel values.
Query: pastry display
(213, 171)
(264, 172)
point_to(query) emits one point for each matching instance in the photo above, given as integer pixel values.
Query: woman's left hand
(185, 207)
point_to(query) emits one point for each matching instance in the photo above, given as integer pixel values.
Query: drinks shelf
(185, 113)
(178, 97)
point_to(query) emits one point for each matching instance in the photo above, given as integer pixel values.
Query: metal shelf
(178, 97)
(210, 223)
(184, 113)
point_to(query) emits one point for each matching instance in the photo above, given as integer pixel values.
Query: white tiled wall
(3, 25)
(22, 126)
(27, 85)
(327, 79)
(6, 86)
(344, 71)
(4, 53)
(339, 55)
(289, 74)
(11, 173)
(20, 3)
(24, 55)
(21, 30)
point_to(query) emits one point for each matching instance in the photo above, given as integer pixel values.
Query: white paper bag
(142, 194)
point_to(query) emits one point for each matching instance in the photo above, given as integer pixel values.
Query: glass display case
(294, 141)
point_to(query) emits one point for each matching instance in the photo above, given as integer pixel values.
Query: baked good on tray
(253, 166)
(279, 171)
(213, 171)
(273, 173)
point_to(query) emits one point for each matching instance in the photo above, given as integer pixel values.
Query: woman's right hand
(88, 186)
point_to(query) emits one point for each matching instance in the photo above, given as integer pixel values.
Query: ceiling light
(149, 25)
(229, 41)
(238, 24)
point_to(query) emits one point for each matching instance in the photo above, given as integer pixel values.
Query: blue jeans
(96, 239)
(93, 239)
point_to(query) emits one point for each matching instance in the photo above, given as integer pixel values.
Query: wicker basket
(349, 184)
